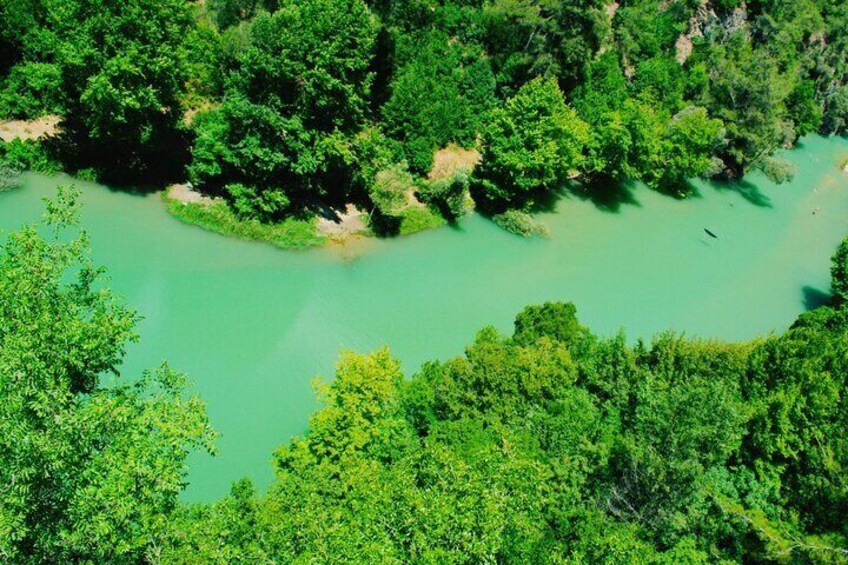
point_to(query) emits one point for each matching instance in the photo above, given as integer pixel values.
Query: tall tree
(298, 93)
(122, 68)
(530, 144)
(89, 470)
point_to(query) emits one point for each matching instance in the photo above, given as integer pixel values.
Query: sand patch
(45, 126)
(187, 195)
(447, 161)
(683, 48)
(346, 223)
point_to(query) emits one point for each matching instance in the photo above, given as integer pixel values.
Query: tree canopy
(549, 445)
(554, 445)
(262, 102)
(90, 470)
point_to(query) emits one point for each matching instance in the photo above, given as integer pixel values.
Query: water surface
(252, 325)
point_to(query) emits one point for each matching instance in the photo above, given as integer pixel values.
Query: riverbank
(216, 216)
(331, 227)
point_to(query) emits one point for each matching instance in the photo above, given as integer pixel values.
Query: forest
(285, 109)
(549, 445)
(546, 444)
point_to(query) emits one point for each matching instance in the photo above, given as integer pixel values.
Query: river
(253, 325)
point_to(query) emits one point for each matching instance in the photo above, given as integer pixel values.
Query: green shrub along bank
(549, 445)
(31, 155)
(271, 106)
(290, 233)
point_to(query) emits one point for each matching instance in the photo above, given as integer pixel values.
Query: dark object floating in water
(711, 234)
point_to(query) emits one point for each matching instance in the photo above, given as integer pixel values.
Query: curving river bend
(252, 325)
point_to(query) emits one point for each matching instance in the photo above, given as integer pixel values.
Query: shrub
(448, 195)
(530, 144)
(27, 155)
(31, 90)
(521, 223)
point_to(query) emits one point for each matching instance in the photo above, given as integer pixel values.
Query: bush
(266, 205)
(448, 195)
(9, 177)
(439, 96)
(521, 223)
(31, 90)
(388, 192)
(530, 144)
(419, 218)
(27, 155)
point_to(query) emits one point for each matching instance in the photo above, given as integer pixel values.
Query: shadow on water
(456, 226)
(746, 189)
(606, 196)
(814, 297)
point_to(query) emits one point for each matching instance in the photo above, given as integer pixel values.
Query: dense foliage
(556, 445)
(297, 92)
(90, 467)
(529, 145)
(267, 102)
(552, 445)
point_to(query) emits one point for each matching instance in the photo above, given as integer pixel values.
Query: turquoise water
(252, 325)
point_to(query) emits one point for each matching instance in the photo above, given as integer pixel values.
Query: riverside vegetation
(286, 109)
(550, 445)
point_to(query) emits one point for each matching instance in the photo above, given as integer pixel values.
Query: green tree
(447, 194)
(530, 144)
(439, 96)
(389, 191)
(122, 77)
(794, 386)
(90, 470)
(228, 13)
(641, 132)
(556, 38)
(690, 141)
(298, 93)
(749, 93)
(839, 274)
(17, 19)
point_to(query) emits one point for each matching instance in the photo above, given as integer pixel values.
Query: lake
(253, 325)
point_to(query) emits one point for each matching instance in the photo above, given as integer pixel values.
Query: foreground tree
(89, 470)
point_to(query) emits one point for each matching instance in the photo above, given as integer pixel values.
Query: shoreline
(329, 228)
(334, 228)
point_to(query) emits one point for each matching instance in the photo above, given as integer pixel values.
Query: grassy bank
(288, 234)
(420, 218)
(217, 217)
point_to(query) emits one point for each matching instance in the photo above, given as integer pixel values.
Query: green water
(253, 325)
